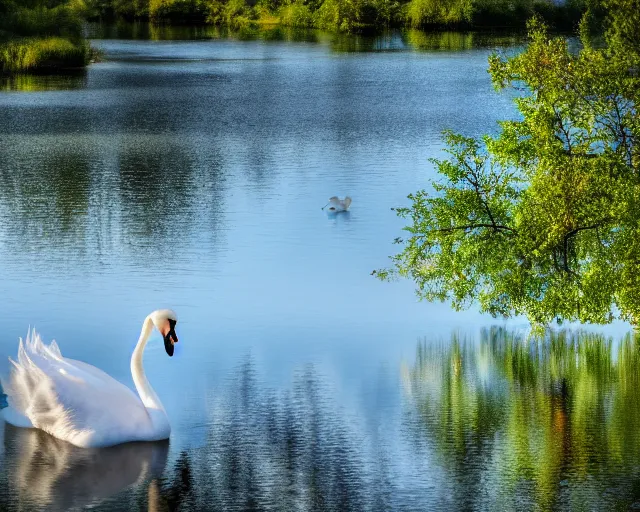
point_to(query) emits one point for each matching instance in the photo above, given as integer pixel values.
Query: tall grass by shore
(50, 53)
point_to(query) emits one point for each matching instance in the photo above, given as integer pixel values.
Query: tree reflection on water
(279, 453)
(523, 423)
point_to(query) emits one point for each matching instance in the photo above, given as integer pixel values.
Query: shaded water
(190, 173)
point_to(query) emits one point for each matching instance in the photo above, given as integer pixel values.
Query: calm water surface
(190, 173)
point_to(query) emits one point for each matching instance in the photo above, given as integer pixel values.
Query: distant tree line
(37, 35)
(40, 35)
(350, 15)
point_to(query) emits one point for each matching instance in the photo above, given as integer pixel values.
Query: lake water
(188, 170)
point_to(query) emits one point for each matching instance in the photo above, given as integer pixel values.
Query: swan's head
(165, 321)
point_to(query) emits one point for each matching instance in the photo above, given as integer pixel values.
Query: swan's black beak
(170, 338)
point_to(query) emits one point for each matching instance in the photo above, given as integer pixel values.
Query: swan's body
(338, 205)
(81, 404)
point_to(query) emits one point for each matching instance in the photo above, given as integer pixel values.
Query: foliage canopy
(544, 218)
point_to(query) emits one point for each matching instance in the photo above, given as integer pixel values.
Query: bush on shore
(40, 54)
(42, 35)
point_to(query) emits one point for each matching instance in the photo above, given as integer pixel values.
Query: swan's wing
(93, 372)
(71, 399)
(347, 202)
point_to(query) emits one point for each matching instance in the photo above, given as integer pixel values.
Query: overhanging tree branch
(495, 227)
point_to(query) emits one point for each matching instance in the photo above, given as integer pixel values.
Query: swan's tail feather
(23, 358)
(29, 386)
(34, 342)
(20, 383)
(54, 350)
(34, 347)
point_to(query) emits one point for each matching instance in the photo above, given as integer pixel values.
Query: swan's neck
(146, 392)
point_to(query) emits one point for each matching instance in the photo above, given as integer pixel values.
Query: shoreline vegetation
(43, 37)
(37, 36)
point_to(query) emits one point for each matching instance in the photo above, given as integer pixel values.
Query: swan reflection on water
(263, 450)
(49, 474)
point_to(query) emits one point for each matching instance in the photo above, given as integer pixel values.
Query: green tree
(543, 219)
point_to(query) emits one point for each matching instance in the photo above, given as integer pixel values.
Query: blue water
(191, 175)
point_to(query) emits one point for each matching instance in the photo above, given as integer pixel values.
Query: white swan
(337, 204)
(81, 404)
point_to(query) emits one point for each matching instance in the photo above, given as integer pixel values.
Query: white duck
(81, 404)
(337, 204)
